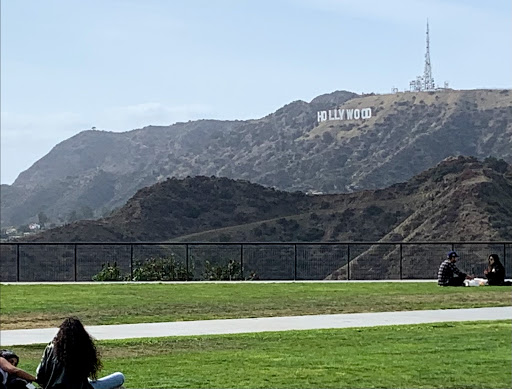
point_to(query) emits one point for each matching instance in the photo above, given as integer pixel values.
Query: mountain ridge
(459, 199)
(288, 150)
(462, 199)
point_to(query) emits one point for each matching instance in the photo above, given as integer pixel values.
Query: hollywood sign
(344, 114)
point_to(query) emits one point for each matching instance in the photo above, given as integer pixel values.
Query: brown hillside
(288, 149)
(460, 199)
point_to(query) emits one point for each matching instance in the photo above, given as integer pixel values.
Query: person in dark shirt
(449, 274)
(12, 377)
(71, 361)
(495, 272)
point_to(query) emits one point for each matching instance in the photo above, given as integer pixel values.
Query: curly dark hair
(75, 349)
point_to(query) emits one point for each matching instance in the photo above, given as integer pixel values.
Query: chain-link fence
(245, 260)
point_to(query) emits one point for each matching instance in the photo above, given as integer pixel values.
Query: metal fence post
(348, 261)
(76, 270)
(505, 258)
(295, 261)
(131, 262)
(186, 259)
(17, 262)
(242, 260)
(401, 261)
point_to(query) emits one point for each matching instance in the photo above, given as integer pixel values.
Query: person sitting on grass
(11, 376)
(495, 272)
(449, 274)
(71, 361)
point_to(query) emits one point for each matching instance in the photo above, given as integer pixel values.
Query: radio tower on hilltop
(425, 82)
(428, 80)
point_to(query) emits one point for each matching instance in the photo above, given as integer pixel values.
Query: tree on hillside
(499, 165)
(24, 228)
(42, 218)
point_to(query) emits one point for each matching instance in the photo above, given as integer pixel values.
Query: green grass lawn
(444, 355)
(32, 306)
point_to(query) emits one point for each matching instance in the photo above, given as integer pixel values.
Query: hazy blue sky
(68, 65)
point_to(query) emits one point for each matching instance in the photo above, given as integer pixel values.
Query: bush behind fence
(71, 261)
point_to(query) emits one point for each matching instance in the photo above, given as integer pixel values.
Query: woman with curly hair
(71, 361)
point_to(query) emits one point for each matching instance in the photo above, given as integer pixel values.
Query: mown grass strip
(442, 355)
(34, 306)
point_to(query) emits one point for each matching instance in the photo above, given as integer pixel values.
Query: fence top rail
(252, 243)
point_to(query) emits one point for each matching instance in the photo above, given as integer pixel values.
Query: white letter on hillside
(357, 114)
(366, 113)
(340, 113)
(322, 116)
(350, 113)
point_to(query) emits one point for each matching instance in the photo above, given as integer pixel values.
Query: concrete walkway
(237, 326)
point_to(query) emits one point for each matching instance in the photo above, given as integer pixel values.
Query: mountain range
(288, 150)
(461, 199)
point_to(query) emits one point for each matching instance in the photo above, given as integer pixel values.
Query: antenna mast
(428, 80)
